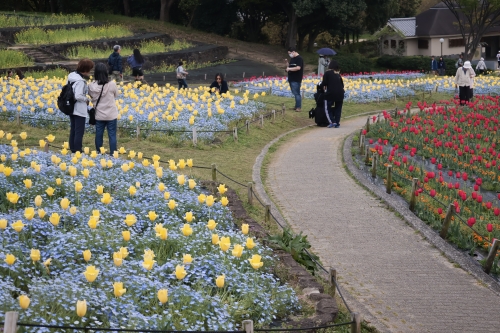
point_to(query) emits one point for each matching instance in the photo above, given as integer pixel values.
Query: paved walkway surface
(390, 270)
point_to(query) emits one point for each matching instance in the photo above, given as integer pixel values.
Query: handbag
(92, 110)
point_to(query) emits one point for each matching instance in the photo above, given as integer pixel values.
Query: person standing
(460, 61)
(135, 61)
(115, 64)
(181, 76)
(295, 70)
(78, 80)
(498, 59)
(472, 78)
(322, 65)
(481, 66)
(219, 85)
(334, 95)
(103, 93)
(441, 66)
(463, 81)
(434, 65)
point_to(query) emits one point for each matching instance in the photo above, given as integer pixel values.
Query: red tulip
(457, 185)
(479, 198)
(432, 193)
(489, 227)
(488, 205)
(474, 195)
(476, 188)
(411, 168)
(496, 211)
(471, 221)
(433, 160)
(440, 211)
(464, 176)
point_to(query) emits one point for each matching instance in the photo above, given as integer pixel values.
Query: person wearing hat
(463, 82)
(115, 64)
(481, 66)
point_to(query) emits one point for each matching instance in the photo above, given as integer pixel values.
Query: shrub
(12, 58)
(353, 63)
(414, 63)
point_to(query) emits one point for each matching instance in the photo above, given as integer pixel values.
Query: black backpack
(66, 100)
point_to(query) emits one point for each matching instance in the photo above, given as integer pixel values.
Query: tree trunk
(126, 7)
(347, 37)
(53, 6)
(291, 38)
(167, 10)
(163, 7)
(312, 38)
(300, 42)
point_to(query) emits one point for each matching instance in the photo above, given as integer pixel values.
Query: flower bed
(152, 108)
(13, 58)
(144, 247)
(453, 151)
(13, 20)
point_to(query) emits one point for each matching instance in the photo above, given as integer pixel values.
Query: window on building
(386, 44)
(458, 42)
(401, 44)
(423, 43)
(393, 44)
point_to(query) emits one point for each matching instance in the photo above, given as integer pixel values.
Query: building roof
(407, 26)
(437, 21)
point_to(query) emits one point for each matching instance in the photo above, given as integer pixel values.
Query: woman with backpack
(181, 76)
(103, 93)
(135, 62)
(78, 81)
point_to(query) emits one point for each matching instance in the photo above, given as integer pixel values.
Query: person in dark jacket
(334, 95)
(115, 64)
(135, 62)
(441, 66)
(434, 65)
(219, 85)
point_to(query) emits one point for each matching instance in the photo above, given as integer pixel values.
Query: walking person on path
(135, 61)
(103, 93)
(463, 81)
(79, 116)
(441, 66)
(181, 76)
(434, 65)
(295, 70)
(115, 64)
(481, 66)
(334, 95)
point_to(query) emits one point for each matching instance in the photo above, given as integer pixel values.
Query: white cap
(467, 64)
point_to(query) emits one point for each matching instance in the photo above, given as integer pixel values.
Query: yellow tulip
(132, 190)
(29, 213)
(211, 224)
(96, 213)
(50, 191)
(35, 255)
(86, 173)
(187, 259)
(181, 164)
(102, 150)
(117, 258)
(65, 203)
(163, 296)
(172, 166)
(10, 259)
(189, 162)
(87, 255)
(73, 171)
(181, 179)
(126, 235)
(237, 250)
(215, 239)
(152, 215)
(159, 172)
(12, 197)
(172, 204)
(255, 261)
(81, 308)
(250, 243)
(8, 136)
(210, 200)
(162, 232)
(130, 220)
(91, 273)
(189, 217)
(222, 189)
(244, 228)
(201, 198)
(187, 230)
(224, 201)
(41, 213)
(124, 166)
(161, 187)
(7, 171)
(100, 189)
(131, 154)
(24, 302)
(3, 224)
(50, 138)
(17, 226)
(28, 183)
(219, 282)
(38, 201)
(191, 183)
(23, 135)
(58, 181)
(148, 263)
(106, 198)
(93, 221)
(180, 272)
(166, 195)
(118, 289)
(122, 150)
(13, 157)
(54, 219)
(225, 243)
(124, 252)
(73, 210)
(47, 262)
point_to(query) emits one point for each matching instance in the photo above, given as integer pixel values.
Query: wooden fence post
(235, 133)
(267, 217)
(214, 172)
(10, 325)
(413, 198)
(46, 147)
(247, 326)
(250, 193)
(195, 136)
(367, 124)
(261, 121)
(247, 125)
(374, 165)
(367, 154)
(283, 109)
(138, 132)
(333, 279)
(491, 256)
(18, 119)
(361, 144)
(356, 322)
(447, 221)
(274, 115)
(389, 179)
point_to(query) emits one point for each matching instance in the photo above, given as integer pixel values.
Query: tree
(165, 6)
(126, 7)
(379, 12)
(474, 19)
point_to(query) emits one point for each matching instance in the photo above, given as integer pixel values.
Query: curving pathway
(394, 277)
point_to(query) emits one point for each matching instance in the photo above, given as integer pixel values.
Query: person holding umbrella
(322, 65)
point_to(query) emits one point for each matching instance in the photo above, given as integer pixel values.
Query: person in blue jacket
(135, 62)
(115, 64)
(434, 65)
(441, 66)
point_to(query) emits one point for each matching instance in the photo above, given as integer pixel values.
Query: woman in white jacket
(79, 116)
(463, 81)
(106, 112)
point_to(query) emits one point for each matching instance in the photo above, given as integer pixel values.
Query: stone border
(401, 206)
(326, 309)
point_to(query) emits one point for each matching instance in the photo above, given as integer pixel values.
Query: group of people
(135, 61)
(330, 95)
(439, 66)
